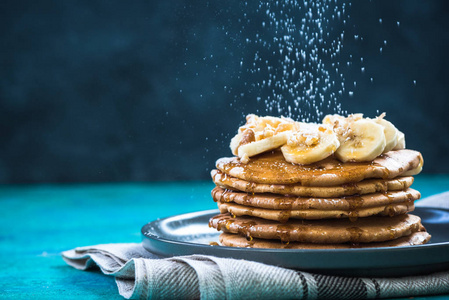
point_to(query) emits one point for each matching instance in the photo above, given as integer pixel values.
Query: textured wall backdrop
(114, 90)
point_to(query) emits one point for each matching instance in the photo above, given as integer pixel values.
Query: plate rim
(358, 262)
(272, 250)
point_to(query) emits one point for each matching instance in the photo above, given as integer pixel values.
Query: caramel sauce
(392, 232)
(390, 210)
(271, 167)
(250, 242)
(283, 232)
(355, 202)
(390, 197)
(247, 200)
(285, 203)
(284, 215)
(355, 234)
(353, 215)
(410, 197)
(228, 224)
(244, 229)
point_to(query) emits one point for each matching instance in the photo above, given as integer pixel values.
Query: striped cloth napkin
(143, 275)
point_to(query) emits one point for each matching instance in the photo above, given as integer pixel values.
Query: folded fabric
(142, 275)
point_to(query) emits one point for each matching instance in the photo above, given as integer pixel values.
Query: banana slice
(267, 144)
(390, 131)
(363, 141)
(260, 134)
(333, 120)
(310, 144)
(401, 141)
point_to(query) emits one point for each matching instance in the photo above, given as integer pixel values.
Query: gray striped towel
(142, 275)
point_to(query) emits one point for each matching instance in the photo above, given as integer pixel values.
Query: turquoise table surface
(37, 222)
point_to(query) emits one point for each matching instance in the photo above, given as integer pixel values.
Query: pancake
(329, 231)
(272, 201)
(233, 240)
(363, 187)
(272, 168)
(314, 214)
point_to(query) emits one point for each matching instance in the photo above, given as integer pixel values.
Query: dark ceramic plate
(190, 234)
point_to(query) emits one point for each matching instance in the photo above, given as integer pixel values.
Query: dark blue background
(95, 91)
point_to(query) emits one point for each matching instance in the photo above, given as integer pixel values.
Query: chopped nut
(283, 127)
(247, 137)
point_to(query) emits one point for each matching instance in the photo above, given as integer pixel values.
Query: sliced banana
(333, 120)
(267, 144)
(401, 141)
(390, 131)
(260, 134)
(363, 141)
(310, 144)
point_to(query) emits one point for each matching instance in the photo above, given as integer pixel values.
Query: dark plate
(190, 234)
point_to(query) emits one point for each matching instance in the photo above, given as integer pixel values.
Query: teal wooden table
(37, 222)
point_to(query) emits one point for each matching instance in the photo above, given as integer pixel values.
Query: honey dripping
(249, 238)
(229, 223)
(391, 230)
(410, 197)
(283, 232)
(353, 215)
(246, 200)
(214, 193)
(355, 202)
(351, 188)
(390, 210)
(244, 229)
(286, 244)
(390, 197)
(355, 234)
(213, 244)
(211, 221)
(381, 186)
(285, 203)
(250, 187)
(267, 167)
(250, 241)
(223, 195)
(284, 215)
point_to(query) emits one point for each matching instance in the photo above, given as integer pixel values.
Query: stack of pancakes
(271, 203)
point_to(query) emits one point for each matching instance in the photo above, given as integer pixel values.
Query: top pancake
(272, 168)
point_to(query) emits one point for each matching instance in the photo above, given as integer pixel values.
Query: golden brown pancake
(272, 168)
(273, 201)
(330, 231)
(368, 186)
(233, 240)
(314, 214)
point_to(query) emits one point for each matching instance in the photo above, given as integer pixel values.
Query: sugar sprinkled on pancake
(272, 168)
